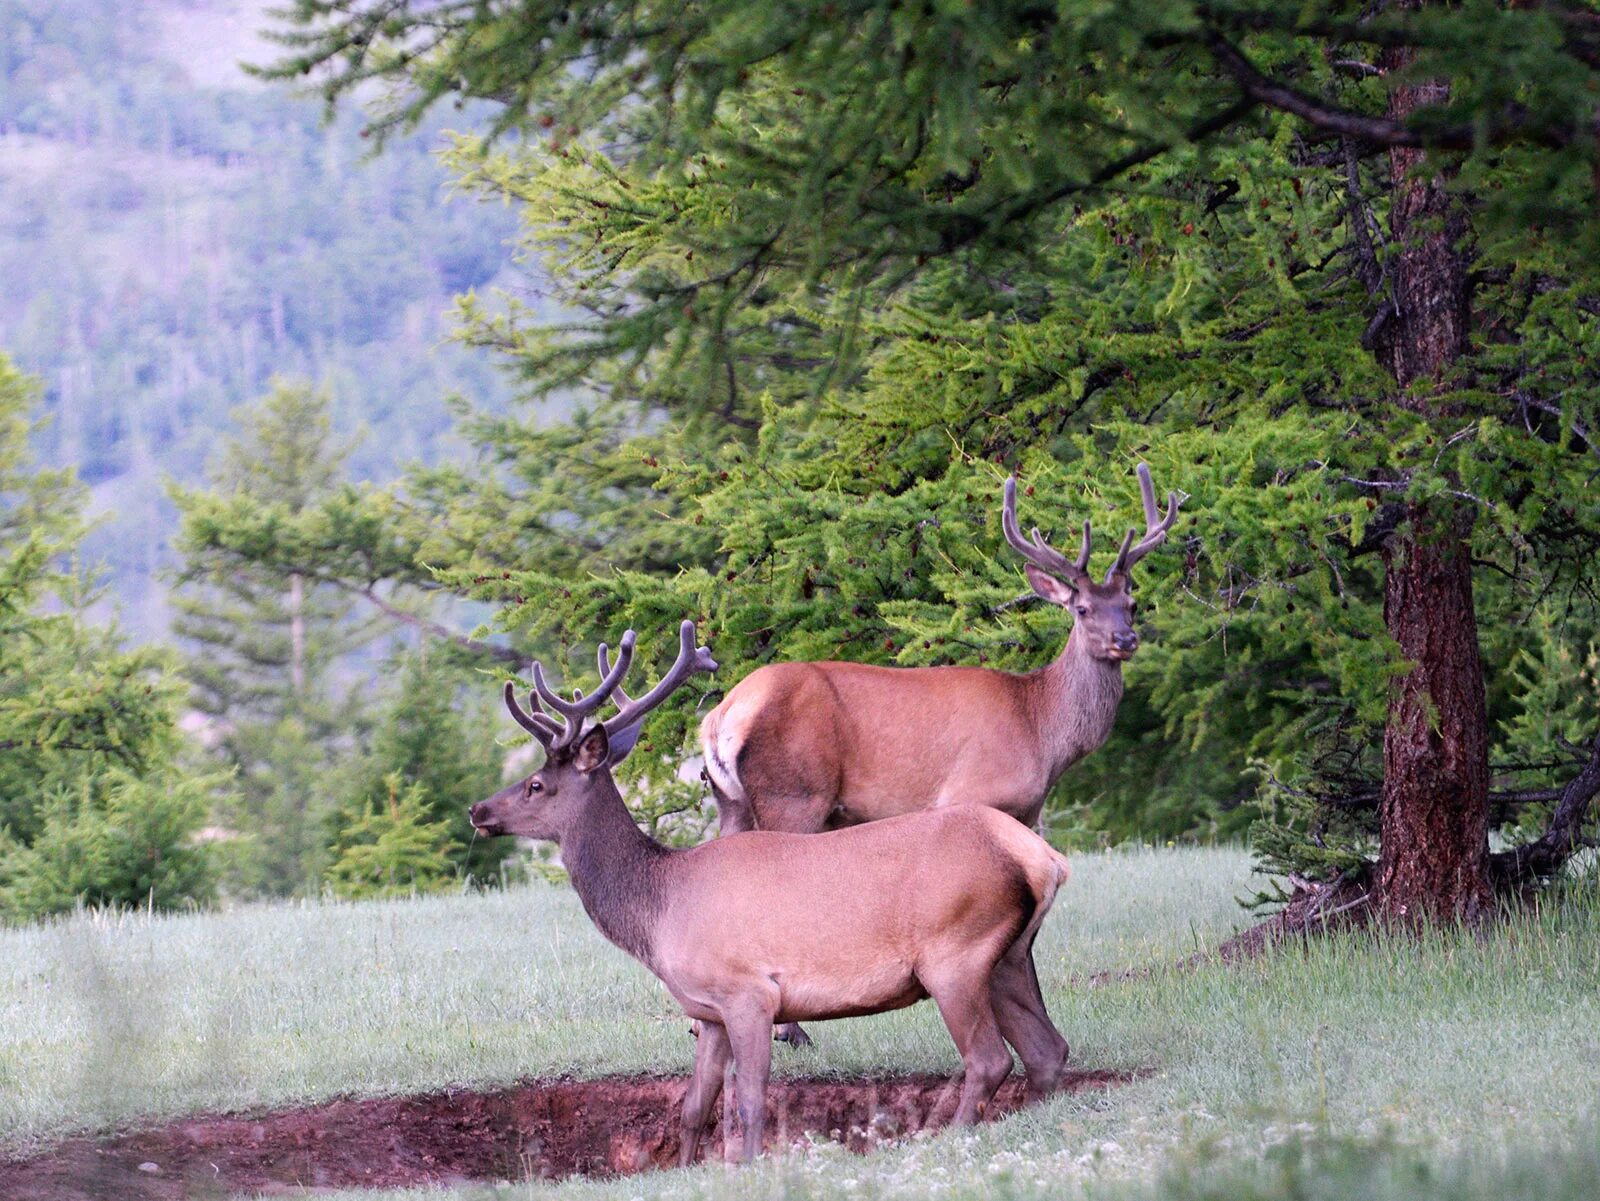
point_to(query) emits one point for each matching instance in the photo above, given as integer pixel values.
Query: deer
(812, 746)
(767, 926)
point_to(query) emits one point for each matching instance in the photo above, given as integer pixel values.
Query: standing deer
(805, 747)
(769, 927)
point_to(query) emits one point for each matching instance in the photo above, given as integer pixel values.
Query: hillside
(174, 234)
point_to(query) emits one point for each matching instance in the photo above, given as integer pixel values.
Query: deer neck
(616, 870)
(1078, 695)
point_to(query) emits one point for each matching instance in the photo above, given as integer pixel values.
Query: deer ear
(592, 751)
(1047, 587)
(622, 742)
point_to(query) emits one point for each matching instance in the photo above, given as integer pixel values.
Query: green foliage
(1555, 677)
(266, 640)
(266, 643)
(393, 850)
(112, 841)
(1552, 683)
(272, 818)
(95, 807)
(872, 132)
(834, 275)
(435, 740)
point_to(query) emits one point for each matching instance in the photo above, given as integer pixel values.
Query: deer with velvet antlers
(805, 747)
(767, 927)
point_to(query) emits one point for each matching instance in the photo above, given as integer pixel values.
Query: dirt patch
(548, 1128)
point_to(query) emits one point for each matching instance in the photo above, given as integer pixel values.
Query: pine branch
(33, 744)
(1512, 126)
(503, 653)
(1547, 854)
(1198, 132)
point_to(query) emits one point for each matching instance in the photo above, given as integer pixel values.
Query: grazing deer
(769, 927)
(805, 747)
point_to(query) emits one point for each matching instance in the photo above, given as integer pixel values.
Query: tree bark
(1433, 857)
(297, 633)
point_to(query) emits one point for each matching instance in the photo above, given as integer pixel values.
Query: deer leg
(792, 813)
(795, 815)
(750, 1033)
(735, 817)
(1024, 1022)
(711, 1055)
(962, 996)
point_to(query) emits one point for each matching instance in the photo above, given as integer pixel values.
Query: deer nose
(1125, 641)
(477, 813)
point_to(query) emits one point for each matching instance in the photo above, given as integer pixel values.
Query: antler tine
(1082, 561)
(690, 660)
(617, 694)
(573, 710)
(580, 706)
(1120, 563)
(1037, 551)
(1156, 527)
(544, 728)
(611, 677)
(1147, 494)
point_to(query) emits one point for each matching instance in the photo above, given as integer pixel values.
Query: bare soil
(543, 1128)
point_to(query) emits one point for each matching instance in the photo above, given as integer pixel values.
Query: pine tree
(266, 641)
(395, 849)
(842, 269)
(434, 740)
(267, 637)
(95, 806)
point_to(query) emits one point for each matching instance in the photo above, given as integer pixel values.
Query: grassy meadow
(1457, 1066)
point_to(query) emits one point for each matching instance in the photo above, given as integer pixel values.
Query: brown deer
(769, 927)
(804, 747)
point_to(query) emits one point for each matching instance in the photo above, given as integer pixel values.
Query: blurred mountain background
(174, 234)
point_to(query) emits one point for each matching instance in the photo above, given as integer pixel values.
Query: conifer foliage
(431, 754)
(95, 805)
(280, 633)
(264, 642)
(394, 849)
(836, 270)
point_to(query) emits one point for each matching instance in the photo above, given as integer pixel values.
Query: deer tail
(721, 747)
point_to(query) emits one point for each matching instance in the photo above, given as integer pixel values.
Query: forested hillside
(173, 234)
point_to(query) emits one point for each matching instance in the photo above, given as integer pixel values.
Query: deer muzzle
(483, 820)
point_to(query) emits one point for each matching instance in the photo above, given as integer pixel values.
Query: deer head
(1102, 612)
(579, 756)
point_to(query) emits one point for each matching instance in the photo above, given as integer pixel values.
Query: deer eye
(534, 786)
(1083, 610)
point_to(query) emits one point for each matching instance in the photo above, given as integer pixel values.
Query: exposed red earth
(543, 1128)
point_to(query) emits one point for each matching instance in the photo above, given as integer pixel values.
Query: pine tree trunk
(1433, 859)
(297, 633)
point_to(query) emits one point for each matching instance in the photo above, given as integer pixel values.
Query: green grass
(1430, 1058)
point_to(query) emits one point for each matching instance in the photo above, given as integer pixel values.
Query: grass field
(1370, 1067)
